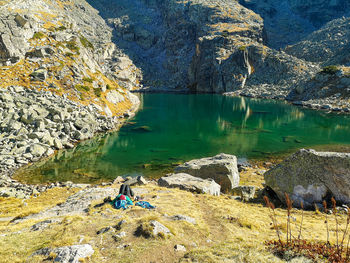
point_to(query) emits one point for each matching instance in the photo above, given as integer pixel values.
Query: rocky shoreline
(327, 104)
(50, 123)
(37, 123)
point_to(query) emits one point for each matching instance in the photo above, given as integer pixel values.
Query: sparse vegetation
(86, 43)
(331, 70)
(82, 88)
(87, 79)
(72, 45)
(61, 28)
(38, 35)
(242, 48)
(97, 92)
(225, 33)
(69, 54)
(296, 246)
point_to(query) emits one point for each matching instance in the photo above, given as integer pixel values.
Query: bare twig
(302, 218)
(345, 231)
(326, 211)
(334, 205)
(271, 207)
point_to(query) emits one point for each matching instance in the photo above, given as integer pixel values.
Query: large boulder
(222, 168)
(311, 177)
(190, 183)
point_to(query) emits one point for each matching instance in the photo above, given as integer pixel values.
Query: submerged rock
(190, 183)
(311, 177)
(222, 168)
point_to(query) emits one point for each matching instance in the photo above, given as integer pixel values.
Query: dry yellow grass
(227, 230)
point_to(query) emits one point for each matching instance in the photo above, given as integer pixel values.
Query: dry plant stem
(347, 249)
(274, 219)
(289, 208)
(326, 211)
(302, 218)
(345, 232)
(271, 208)
(336, 220)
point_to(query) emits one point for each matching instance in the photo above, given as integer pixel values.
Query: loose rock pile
(35, 123)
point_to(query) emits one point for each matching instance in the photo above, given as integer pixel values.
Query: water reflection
(172, 128)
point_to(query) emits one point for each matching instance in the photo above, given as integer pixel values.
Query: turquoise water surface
(172, 128)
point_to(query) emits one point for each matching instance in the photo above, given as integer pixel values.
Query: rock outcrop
(312, 177)
(61, 79)
(330, 87)
(326, 45)
(69, 254)
(222, 168)
(190, 183)
(76, 204)
(153, 229)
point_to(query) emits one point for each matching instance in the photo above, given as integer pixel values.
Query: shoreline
(10, 172)
(323, 105)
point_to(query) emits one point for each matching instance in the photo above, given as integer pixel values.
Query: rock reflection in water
(184, 127)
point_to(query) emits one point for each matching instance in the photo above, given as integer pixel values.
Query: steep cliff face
(229, 51)
(80, 49)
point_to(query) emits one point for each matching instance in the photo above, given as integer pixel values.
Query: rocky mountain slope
(224, 47)
(62, 77)
(290, 21)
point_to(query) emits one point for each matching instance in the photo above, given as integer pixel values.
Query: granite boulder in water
(222, 168)
(311, 177)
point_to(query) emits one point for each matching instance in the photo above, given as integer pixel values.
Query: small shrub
(86, 79)
(82, 88)
(69, 54)
(108, 86)
(61, 28)
(97, 92)
(331, 70)
(72, 45)
(225, 33)
(86, 43)
(38, 35)
(242, 48)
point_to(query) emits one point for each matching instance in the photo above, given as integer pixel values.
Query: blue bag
(145, 204)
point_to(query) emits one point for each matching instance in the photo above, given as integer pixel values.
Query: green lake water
(172, 128)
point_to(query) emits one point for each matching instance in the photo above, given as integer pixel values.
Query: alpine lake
(170, 129)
